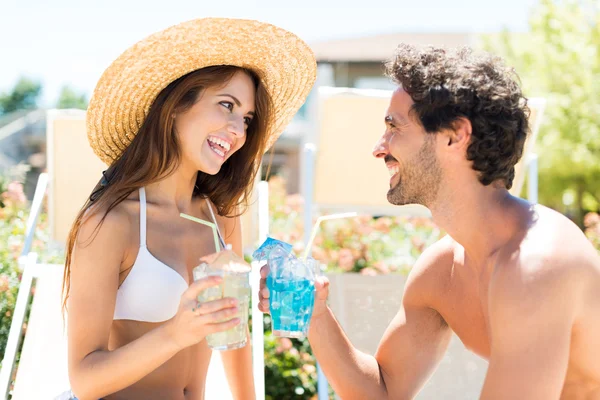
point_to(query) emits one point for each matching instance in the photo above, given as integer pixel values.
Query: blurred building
(23, 141)
(356, 62)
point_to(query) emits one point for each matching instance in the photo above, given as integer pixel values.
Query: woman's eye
(228, 105)
(247, 121)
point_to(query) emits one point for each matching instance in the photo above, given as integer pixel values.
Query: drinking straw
(203, 222)
(316, 228)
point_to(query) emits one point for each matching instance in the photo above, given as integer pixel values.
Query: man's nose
(381, 147)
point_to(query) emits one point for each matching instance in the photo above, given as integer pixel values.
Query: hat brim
(129, 86)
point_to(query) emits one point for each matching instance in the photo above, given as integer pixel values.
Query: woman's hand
(194, 321)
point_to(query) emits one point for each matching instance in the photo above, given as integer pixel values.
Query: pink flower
(4, 283)
(346, 259)
(418, 243)
(318, 254)
(295, 201)
(383, 225)
(294, 236)
(356, 253)
(591, 219)
(333, 255)
(363, 219)
(365, 230)
(14, 192)
(368, 271)
(381, 267)
(309, 368)
(286, 344)
(318, 240)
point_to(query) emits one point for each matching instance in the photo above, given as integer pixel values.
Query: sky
(71, 42)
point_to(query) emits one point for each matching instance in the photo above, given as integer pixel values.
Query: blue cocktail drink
(291, 284)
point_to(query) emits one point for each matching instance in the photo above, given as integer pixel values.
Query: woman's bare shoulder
(109, 227)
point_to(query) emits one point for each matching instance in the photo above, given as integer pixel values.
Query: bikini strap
(142, 217)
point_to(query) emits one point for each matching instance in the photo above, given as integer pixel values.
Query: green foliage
(559, 59)
(68, 98)
(23, 96)
(290, 368)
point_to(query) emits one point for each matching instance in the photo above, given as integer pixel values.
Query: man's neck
(482, 219)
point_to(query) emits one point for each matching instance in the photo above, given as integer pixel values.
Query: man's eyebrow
(390, 119)
(235, 100)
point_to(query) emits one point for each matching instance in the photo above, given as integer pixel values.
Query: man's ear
(459, 135)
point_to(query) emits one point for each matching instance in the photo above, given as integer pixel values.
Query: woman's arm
(94, 371)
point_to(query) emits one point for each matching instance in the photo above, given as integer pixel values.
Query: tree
(24, 95)
(70, 99)
(559, 59)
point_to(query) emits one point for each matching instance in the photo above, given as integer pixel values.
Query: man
(518, 283)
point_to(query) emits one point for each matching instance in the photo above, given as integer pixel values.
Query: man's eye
(228, 105)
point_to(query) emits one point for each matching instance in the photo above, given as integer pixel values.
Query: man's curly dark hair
(449, 84)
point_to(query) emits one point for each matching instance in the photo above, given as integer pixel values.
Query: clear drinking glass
(236, 283)
(291, 283)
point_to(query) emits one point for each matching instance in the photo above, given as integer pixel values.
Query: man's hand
(321, 287)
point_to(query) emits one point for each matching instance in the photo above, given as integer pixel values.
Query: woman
(183, 119)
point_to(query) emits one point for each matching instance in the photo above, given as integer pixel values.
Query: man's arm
(532, 309)
(411, 348)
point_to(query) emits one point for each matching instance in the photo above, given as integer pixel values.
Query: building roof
(377, 48)
(7, 118)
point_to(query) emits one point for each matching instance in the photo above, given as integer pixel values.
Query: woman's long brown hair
(155, 153)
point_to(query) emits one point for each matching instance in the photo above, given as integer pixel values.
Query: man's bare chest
(464, 307)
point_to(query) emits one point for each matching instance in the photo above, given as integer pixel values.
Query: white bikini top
(152, 290)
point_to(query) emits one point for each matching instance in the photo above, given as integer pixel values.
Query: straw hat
(128, 87)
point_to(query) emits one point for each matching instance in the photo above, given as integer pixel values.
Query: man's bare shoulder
(553, 234)
(552, 245)
(431, 272)
(553, 261)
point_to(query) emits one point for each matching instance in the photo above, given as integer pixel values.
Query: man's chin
(393, 197)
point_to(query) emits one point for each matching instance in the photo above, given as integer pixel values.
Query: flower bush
(290, 368)
(14, 212)
(365, 244)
